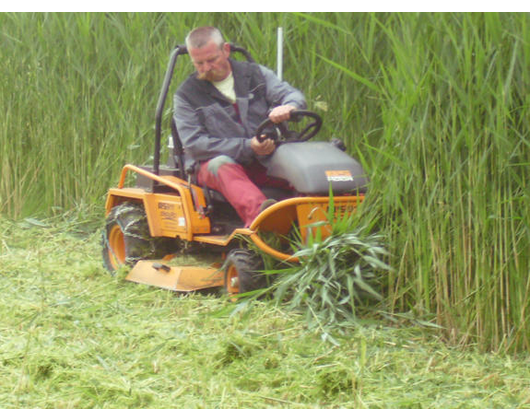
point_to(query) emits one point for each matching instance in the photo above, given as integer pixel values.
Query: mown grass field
(72, 336)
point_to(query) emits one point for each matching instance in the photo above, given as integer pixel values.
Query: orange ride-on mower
(165, 212)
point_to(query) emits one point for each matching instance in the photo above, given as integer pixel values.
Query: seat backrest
(176, 156)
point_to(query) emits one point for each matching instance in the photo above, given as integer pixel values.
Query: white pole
(279, 60)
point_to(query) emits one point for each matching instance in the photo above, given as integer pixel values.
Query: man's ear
(226, 48)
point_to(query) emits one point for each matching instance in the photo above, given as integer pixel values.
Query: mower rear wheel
(126, 238)
(243, 272)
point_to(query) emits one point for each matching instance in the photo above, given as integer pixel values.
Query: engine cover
(311, 167)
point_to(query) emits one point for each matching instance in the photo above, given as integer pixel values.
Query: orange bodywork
(170, 214)
(176, 213)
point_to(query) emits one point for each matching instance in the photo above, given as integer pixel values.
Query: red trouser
(238, 184)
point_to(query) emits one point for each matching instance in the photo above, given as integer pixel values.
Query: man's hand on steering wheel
(277, 115)
(263, 148)
(279, 133)
(281, 113)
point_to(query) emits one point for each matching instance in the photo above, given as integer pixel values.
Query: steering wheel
(280, 134)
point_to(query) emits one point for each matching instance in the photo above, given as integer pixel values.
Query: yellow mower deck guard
(179, 279)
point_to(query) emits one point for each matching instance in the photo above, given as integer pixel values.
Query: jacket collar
(241, 82)
(242, 76)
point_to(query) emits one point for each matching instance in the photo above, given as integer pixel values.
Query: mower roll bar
(178, 50)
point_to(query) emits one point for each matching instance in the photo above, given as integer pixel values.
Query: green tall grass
(455, 112)
(435, 106)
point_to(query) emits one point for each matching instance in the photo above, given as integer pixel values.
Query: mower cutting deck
(178, 279)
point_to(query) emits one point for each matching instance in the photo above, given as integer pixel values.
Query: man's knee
(215, 164)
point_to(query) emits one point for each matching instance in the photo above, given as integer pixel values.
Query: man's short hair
(199, 37)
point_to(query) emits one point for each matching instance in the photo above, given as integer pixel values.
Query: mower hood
(310, 167)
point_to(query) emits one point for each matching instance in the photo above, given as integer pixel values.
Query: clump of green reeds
(450, 167)
(336, 276)
(79, 92)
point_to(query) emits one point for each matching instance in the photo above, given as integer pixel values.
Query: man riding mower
(235, 171)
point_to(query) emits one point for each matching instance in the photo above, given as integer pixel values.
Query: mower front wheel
(243, 272)
(126, 238)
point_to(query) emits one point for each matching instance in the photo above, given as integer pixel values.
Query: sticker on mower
(339, 176)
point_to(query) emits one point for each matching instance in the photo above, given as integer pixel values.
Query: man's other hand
(263, 148)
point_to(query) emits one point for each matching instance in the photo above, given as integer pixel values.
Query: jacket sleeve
(199, 144)
(280, 92)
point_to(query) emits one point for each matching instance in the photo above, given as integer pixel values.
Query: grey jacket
(208, 124)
